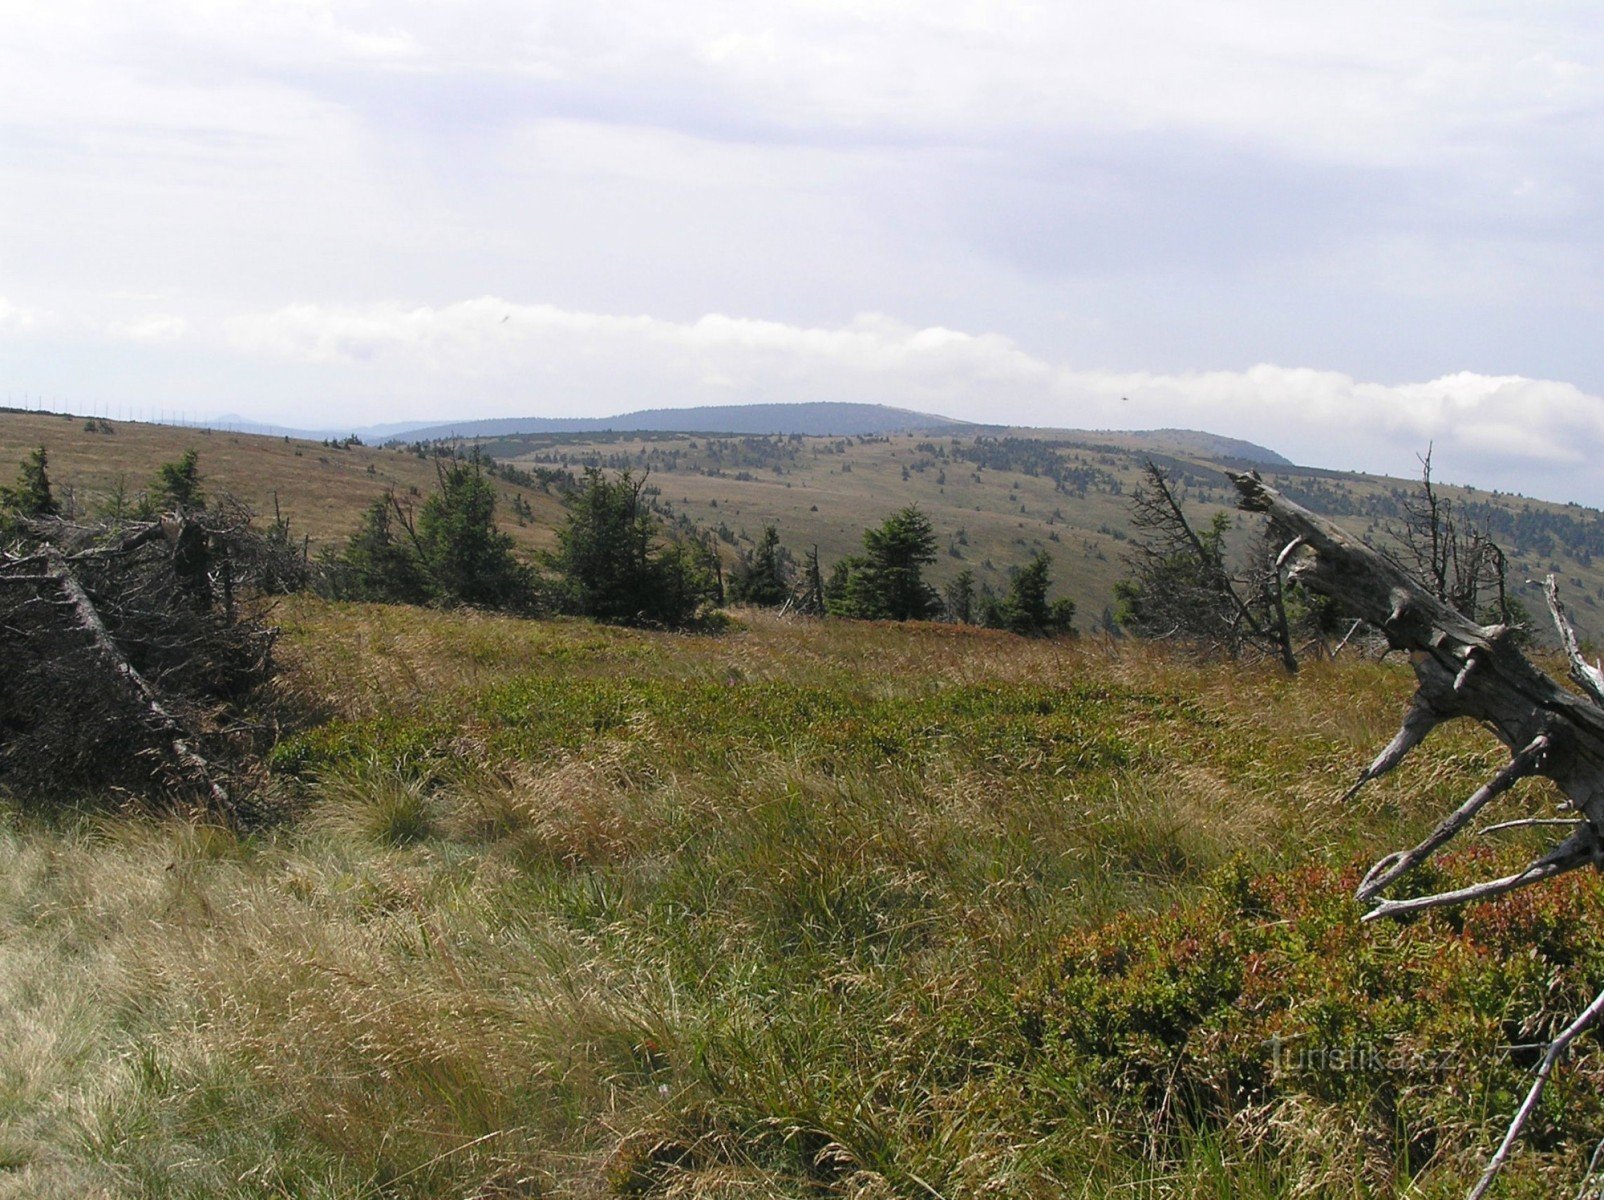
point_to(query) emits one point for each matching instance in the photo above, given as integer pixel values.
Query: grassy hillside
(995, 499)
(322, 489)
(812, 908)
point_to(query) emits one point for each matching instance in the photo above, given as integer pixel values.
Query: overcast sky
(1341, 230)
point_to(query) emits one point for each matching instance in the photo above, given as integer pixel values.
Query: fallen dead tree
(1463, 670)
(128, 652)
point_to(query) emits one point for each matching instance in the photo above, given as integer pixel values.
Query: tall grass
(806, 909)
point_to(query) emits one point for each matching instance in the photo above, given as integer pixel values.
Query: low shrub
(1266, 1009)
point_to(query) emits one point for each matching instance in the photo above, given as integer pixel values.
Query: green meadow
(808, 908)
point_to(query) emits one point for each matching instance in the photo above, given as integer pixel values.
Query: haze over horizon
(1341, 232)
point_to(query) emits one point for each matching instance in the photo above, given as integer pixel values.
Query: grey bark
(1465, 670)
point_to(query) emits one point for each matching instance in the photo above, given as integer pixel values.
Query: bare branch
(1578, 850)
(1527, 762)
(1157, 480)
(1531, 823)
(126, 545)
(1556, 1051)
(1418, 723)
(1347, 637)
(1587, 676)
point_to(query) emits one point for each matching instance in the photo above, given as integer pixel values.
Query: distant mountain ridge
(822, 419)
(816, 419)
(1208, 445)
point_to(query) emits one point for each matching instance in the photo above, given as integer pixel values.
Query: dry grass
(322, 490)
(572, 911)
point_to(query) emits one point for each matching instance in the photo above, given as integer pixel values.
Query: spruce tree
(960, 597)
(1026, 609)
(377, 564)
(885, 582)
(31, 497)
(465, 557)
(759, 578)
(177, 486)
(608, 564)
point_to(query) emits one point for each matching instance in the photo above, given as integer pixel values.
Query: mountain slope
(994, 497)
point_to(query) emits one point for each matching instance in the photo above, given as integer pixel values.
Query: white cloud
(488, 335)
(1508, 425)
(15, 320)
(154, 327)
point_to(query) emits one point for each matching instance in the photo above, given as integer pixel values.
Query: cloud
(155, 327)
(1396, 192)
(15, 320)
(1495, 428)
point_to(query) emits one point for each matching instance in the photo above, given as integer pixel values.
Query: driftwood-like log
(1464, 670)
(1587, 675)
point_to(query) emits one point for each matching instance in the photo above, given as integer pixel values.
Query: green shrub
(1267, 997)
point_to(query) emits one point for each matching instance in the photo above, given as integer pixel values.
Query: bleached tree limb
(1530, 823)
(1466, 670)
(1393, 868)
(1556, 1050)
(1463, 669)
(1352, 629)
(1587, 675)
(1592, 1174)
(1418, 722)
(1581, 849)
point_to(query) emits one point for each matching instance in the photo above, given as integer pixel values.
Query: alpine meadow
(590, 884)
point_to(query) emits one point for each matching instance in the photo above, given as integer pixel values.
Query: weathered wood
(1466, 670)
(1571, 854)
(1463, 669)
(1418, 722)
(1556, 1051)
(1586, 675)
(1394, 867)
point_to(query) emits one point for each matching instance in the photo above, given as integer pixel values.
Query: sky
(1345, 231)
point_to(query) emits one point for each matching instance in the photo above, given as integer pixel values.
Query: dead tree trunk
(1463, 670)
